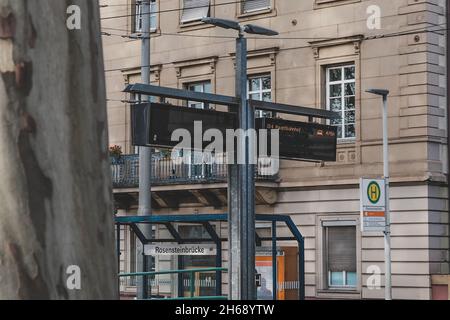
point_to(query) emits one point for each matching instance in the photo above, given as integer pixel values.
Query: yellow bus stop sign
(373, 205)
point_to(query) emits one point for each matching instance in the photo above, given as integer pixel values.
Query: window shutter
(341, 242)
(254, 5)
(194, 10)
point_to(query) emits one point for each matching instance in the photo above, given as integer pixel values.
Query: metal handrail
(191, 273)
(155, 273)
(125, 171)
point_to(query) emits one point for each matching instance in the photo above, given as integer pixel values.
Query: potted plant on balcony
(115, 153)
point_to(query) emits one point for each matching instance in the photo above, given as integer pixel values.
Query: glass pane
(349, 73)
(197, 88)
(339, 132)
(337, 278)
(153, 15)
(350, 131)
(255, 84)
(350, 103)
(335, 74)
(350, 89)
(335, 90)
(255, 96)
(266, 83)
(350, 117)
(351, 279)
(263, 114)
(336, 121)
(207, 88)
(336, 104)
(153, 22)
(267, 96)
(259, 114)
(138, 21)
(196, 105)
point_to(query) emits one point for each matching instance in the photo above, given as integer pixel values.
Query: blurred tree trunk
(55, 190)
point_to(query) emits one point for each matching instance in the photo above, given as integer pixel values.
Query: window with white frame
(260, 88)
(255, 5)
(204, 87)
(340, 254)
(138, 23)
(194, 10)
(340, 86)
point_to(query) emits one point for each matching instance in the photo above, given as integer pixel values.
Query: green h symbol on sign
(373, 192)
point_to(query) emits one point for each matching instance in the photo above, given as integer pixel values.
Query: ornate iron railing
(125, 171)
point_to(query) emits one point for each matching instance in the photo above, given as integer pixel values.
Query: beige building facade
(328, 53)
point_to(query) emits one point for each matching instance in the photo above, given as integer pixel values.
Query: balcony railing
(125, 171)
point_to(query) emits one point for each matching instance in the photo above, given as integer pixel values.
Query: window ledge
(264, 13)
(193, 25)
(339, 293)
(319, 4)
(346, 141)
(137, 35)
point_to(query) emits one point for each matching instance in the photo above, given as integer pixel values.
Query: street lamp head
(380, 92)
(230, 24)
(251, 28)
(222, 23)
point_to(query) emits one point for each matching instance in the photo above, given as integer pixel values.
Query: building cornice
(127, 72)
(319, 44)
(266, 52)
(211, 61)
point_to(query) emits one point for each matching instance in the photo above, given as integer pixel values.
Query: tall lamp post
(145, 160)
(241, 176)
(387, 232)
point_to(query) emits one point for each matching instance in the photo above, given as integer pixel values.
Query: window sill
(257, 14)
(345, 142)
(337, 293)
(193, 25)
(137, 35)
(319, 4)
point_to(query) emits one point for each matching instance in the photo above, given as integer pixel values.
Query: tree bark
(55, 192)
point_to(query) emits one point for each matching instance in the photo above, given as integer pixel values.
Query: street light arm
(223, 23)
(253, 29)
(248, 28)
(380, 92)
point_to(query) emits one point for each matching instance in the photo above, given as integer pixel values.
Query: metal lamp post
(387, 232)
(241, 176)
(145, 160)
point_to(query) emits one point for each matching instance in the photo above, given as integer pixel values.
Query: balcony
(125, 172)
(177, 184)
